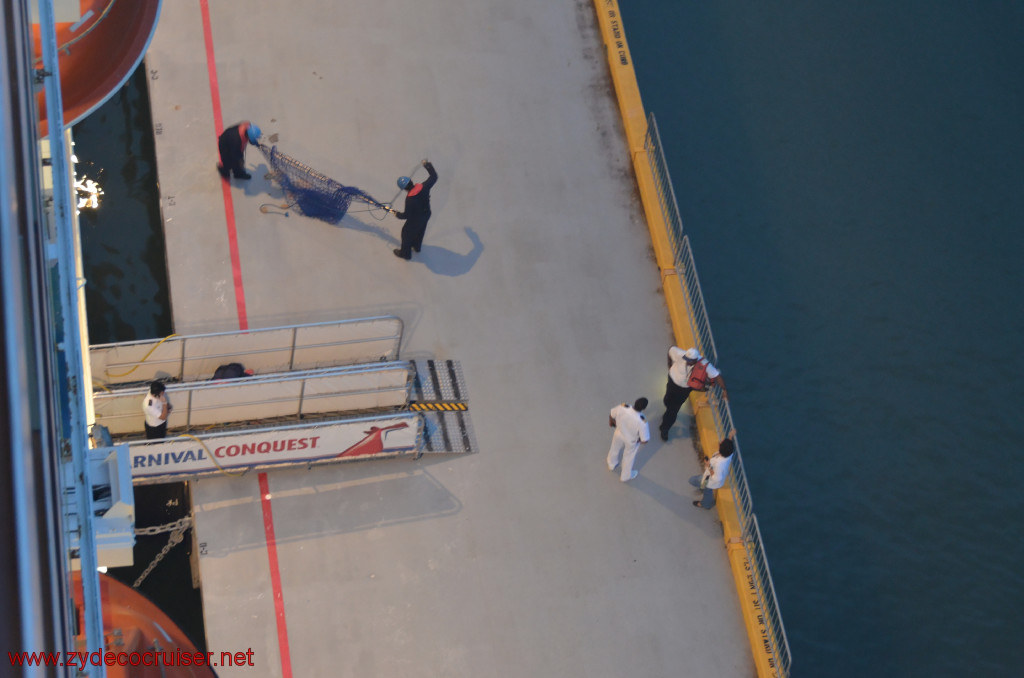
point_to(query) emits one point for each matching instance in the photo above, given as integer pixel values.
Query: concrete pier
(527, 558)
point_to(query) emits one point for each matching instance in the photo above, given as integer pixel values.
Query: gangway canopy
(266, 351)
(359, 388)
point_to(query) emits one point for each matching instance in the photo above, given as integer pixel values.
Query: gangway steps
(439, 392)
(447, 433)
(439, 381)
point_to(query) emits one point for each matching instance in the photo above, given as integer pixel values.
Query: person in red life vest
(231, 144)
(417, 212)
(687, 371)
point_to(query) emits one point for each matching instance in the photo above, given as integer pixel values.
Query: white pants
(625, 449)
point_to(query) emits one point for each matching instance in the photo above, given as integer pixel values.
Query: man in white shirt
(687, 371)
(716, 472)
(631, 430)
(156, 409)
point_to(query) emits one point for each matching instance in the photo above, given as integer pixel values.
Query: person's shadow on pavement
(366, 226)
(260, 183)
(445, 262)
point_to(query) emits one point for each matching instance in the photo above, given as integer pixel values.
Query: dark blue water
(852, 178)
(123, 249)
(126, 294)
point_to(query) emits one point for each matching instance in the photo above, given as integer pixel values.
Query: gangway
(397, 408)
(282, 396)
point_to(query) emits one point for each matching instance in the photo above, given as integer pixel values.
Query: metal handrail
(258, 330)
(666, 193)
(66, 47)
(700, 325)
(247, 352)
(680, 243)
(183, 356)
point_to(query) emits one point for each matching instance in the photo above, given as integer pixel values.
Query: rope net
(312, 193)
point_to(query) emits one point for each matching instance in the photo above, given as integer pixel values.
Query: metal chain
(177, 530)
(176, 538)
(180, 524)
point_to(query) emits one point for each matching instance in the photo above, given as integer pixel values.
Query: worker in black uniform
(231, 144)
(417, 212)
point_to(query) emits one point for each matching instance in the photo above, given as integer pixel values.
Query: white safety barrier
(266, 351)
(356, 388)
(233, 453)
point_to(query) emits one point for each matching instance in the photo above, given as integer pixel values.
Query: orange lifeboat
(139, 640)
(100, 42)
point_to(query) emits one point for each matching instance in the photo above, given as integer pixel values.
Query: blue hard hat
(404, 182)
(253, 133)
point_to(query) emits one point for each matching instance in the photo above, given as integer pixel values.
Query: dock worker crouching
(156, 409)
(231, 144)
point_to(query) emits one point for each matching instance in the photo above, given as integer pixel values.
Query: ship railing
(685, 265)
(753, 544)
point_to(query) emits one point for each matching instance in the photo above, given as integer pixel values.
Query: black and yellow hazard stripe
(438, 407)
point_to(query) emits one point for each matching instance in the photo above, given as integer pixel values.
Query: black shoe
(697, 504)
(244, 175)
(223, 172)
(415, 249)
(398, 253)
(664, 436)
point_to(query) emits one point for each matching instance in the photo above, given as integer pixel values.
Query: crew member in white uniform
(631, 430)
(156, 409)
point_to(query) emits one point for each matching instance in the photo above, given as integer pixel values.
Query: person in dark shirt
(417, 212)
(231, 144)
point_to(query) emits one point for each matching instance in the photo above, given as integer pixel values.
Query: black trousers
(232, 158)
(154, 432)
(412, 236)
(674, 398)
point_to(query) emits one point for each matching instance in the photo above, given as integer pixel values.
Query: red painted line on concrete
(275, 578)
(243, 323)
(229, 205)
